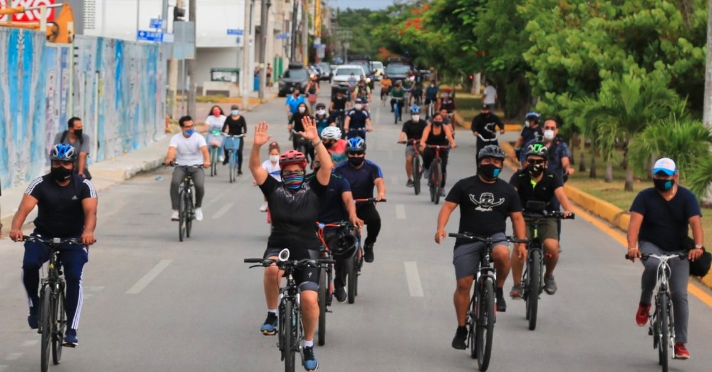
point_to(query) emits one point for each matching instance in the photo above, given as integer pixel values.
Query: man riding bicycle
(363, 92)
(331, 137)
(338, 107)
(398, 93)
(485, 203)
(386, 84)
(431, 95)
(357, 122)
(447, 102)
(67, 204)
(484, 127)
(530, 132)
(536, 183)
(412, 131)
(294, 208)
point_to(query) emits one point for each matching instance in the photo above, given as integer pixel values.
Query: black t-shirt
(485, 125)
(658, 226)
(294, 214)
(340, 103)
(361, 180)
(297, 122)
(529, 134)
(541, 191)
(414, 131)
(331, 204)
(484, 207)
(60, 213)
(358, 118)
(235, 127)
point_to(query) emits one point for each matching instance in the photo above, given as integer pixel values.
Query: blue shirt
(294, 103)
(321, 123)
(331, 203)
(358, 118)
(659, 227)
(361, 180)
(557, 151)
(431, 92)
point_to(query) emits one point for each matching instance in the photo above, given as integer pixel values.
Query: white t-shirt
(490, 95)
(188, 149)
(273, 170)
(215, 122)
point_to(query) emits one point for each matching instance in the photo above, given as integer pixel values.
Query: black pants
(369, 214)
(341, 264)
(400, 106)
(298, 140)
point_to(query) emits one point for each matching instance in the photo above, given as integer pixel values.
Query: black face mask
(61, 173)
(356, 161)
(437, 123)
(327, 144)
(78, 133)
(535, 170)
(490, 172)
(663, 185)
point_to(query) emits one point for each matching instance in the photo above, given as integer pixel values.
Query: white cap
(665, 165)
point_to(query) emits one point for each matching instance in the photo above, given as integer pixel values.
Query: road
(154, 304)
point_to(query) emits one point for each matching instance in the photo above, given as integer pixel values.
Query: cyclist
(386, 84)
(295, 124)
(331, 137)
(431, 95)
(408, 86)
(530, 132)
(485, 203)
(363, 92)
(67, 205)
(188, 148)
(272, 167)
(484, 125)
(436, 134)
(215, 123)
(235, 124)
(363, 175)
(537, 183)
(322, 119)
(398, 93)
(357, 121)
(338, 107)
(417, 92)
(447, 102)
(294, 206)
(412, 130)
(352, 81)
(659, 217)
(312, 91)
(293, 103)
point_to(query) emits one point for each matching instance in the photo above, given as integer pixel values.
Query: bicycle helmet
(538, 149)
(331, 133)
(63, 152)
(320, 106)
(345, 245)
(491, 151)
(292, 157)
(414, 110)
(356, 145)
(532, 116)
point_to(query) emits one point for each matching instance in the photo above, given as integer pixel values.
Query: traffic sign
(232, 31)
(284, 35)
(154, 36)
(156, 23)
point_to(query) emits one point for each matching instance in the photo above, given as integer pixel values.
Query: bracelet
(316, 144)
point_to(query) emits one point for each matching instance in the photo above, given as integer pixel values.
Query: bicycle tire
(664, 344)
(190, 213)
(396, 109)
(485, 324)
(214, 162)
(533, 286)
(323, 285)
(359, 266)
(45, 327)
(471, 326)
(351, 280)
(60, 323)
(438, 180)
(289, 348)
(416, 174)
(181, 215)
(431, 180)
(232, 166)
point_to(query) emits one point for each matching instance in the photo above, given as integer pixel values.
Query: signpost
(152, 36)
(235, 32)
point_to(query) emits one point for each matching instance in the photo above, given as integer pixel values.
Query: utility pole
(191, 65)
(247, 34)
(173, 63)
(266, 33)
(293, 34)
(305, 31)
(706, 113)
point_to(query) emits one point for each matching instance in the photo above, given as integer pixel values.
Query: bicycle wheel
(416, 174)
(471, 326)
(351, 280)
(214, 162)
(289, 346)
(189, 213)
(231, 166)
(396, 107)
(438, 181)
(533, 286)
(432, 181)
(181, 215)
(45, 326)
(59, 324)
(359, 265)
(664, 343)
(485, 324)
(323, 286)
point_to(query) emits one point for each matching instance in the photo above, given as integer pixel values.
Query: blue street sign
(149, 36)
(232, 31)
(284, 35)
(156, 23)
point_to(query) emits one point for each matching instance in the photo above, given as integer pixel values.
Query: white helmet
(331, 133)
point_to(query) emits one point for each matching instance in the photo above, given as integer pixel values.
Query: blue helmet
(356, 145)
(62, 152)
(414, 110)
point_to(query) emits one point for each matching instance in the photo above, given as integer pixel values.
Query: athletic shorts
(466, 257)
(307, 277)
(547, 229)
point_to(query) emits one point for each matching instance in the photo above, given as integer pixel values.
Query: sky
(359, 4)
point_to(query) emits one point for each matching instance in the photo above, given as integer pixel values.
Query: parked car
(340, 81)
(326, 71)
(296, 76)
(397, 71)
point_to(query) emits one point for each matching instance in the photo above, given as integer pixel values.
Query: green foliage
(700, 178)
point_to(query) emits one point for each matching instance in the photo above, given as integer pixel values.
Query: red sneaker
(681, 351)
(641, 317)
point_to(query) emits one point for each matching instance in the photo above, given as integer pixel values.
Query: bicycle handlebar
(549, 215)
(437, 147)
(496, 137)
(644, 257)
(488, 240)
(369, 200)
(289, 263)
(173, 164)
(409, 142)
(321, 225)
(51, 241)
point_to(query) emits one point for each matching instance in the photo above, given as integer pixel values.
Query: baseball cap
(665, 165)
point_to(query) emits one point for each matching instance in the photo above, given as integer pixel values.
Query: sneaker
(33, 319)
(174, 216)
(442, 191)
(221, 158)
(550, 285)
(426, 174)
(70, 339)
(263, 207)
(239, 172)
(501, 304)
(681, 351)
(642, 316)
(309, 359)
(368, 253)
(340, 293)
(269, 328)
(198, 214)
(409, 183)
(516, 292)
(459, 342)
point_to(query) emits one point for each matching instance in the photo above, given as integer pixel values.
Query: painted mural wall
(116, 87)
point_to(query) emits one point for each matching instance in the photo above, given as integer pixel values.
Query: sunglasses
(535, 161)
(356, 154)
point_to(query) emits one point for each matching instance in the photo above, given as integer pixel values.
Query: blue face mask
(190, 132)
(234, 112)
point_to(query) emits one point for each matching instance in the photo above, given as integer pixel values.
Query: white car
(340, 81)
(377, 66)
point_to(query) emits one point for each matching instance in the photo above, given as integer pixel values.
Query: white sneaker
(174, 215)
(198, 214)
(222, 158)
(263, 208)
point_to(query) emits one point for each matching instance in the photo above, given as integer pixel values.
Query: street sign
(284, 35)
(232, 31)
(154, 36)
(156, 23)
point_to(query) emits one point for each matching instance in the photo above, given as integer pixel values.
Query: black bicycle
(186, 208)
(533, 276)
(415, 163)
(52, 314)
(435, 180)
(482, 315)
(291, 329)
(353, 269)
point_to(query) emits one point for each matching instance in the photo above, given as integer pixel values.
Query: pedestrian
(269, 75)
(74, 135)
(490, 95)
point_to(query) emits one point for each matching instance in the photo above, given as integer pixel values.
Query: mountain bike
(291, 329)
(533, 276)
(353, 269)
(186, 209)
(435, 179)
(482, 316)
(415, 163)
(398, 109)
(232, 145)
(215, 142)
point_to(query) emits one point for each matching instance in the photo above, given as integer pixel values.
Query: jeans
(198, 175)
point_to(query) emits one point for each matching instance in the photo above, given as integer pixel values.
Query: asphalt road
(155, 304)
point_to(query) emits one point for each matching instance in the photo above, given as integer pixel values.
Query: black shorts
(307, 277)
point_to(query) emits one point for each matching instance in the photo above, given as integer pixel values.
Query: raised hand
(310, 131)
(261, 135)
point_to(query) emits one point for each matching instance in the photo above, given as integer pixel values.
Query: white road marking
(400, 211)
(413, 278)
(13, 356)
(30, 343)
(143, 282)
(223, 210)
(218, 196)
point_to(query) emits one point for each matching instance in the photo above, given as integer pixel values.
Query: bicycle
(435, 179)
(303, 144)
(357, 132)
(482, 316)
(415, 163)
(397, 109)
(353, 269)
(232, 145)
(213, 138)
(533, 275)
(52, 315)
(291, 329)
(339, 119)
(662, 323)
(186, 210)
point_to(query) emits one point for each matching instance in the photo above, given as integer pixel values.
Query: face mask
(302, 109)
(535, 170)
(216, 113)
(61, 173)
(663, 185)
(321, 112)
(190, 132)
(489, 171)
(548, 134)
(274, 158)
(358, 106)
(327, 144)
(356, 161)
(437, 123)
(293, 180)
(234, 112)
(432, 84)
(78, 133)
(446, 95)
(526, 124)
(416, 117)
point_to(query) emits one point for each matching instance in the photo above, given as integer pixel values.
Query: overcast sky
(358, 4)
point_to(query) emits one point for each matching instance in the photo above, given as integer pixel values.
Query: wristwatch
(699, 246)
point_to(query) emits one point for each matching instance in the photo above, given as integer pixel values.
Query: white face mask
(302, 109)
(548, 134)
(358, 106)
(320, 112)
(416, 117)
(274, 158)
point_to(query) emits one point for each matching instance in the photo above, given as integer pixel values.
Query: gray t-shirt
(81, 146)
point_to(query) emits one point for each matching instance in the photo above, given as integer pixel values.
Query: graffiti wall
(116, 87)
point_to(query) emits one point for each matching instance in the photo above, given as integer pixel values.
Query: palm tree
(700, 177)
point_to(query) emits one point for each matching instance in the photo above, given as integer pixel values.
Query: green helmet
(538, 149)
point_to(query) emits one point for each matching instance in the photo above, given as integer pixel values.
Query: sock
(306, 343)
(273, 311)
